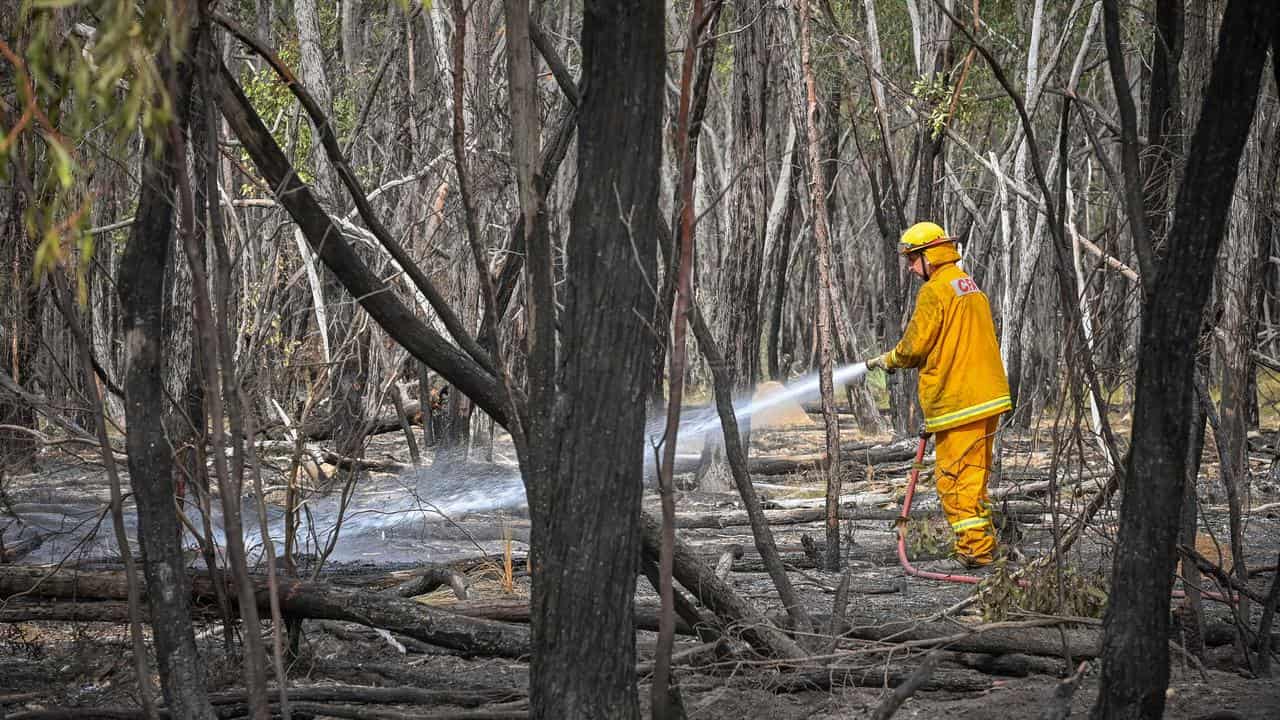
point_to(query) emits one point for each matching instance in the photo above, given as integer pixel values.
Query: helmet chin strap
(924, 266)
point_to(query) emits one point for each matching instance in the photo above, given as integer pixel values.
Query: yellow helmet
(920, 236)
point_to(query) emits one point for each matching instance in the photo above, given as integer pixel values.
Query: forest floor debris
(1010, 668)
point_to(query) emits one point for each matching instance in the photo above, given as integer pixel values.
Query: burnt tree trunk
(748, 201)
(586, 561)
(21, 322)
(1164, 117)
(21, 298)
(347, 374)
(822, 235)
(1191, 612)
(1135, 653)
(142, 296)
(183, 354)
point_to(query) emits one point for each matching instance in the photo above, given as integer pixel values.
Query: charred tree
(1135, 653)
(151, 467)
(20, 323)
(586, 559)
(748, 199)
(21, 298)
(808, 107)
(1164, 119)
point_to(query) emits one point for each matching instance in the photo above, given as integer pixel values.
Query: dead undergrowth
(1003, 648)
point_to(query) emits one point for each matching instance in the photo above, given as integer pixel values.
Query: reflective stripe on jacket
(951, 339)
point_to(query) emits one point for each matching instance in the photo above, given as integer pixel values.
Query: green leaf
(48, 252)
(62, 163)
(53, 4)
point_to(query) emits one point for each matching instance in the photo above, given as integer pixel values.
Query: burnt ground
(88, 664)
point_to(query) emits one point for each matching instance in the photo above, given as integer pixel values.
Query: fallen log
(858, 499)
(15, 551)
(700, 654)
(684, 607)
(383, 695)
(918, 677)
(516, 610)
(877, 454)
(858, 553)
(350, 463)
(1011, 488)
(791, 464)
(1006, 665)
(302, 708)
(772, 465)
(858, 506)
(380, 578)
(322, 428)
(859, 453)
(432, 578)
(321, 601)
(415, 620)
(351, 632)
(1225, 633)
(104, 611)
(117, 612)
(718, 595)
(875, 677)
(739, 518)
(1081, 642)
(355, 712)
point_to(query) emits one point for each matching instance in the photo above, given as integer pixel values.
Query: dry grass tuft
(489, 580)
(508, 572)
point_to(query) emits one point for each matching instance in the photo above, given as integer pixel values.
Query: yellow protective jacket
(952, 340)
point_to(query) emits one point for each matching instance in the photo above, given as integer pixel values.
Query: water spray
(803, 389)
(400, 516)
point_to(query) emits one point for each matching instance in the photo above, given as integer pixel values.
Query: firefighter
(963, 389)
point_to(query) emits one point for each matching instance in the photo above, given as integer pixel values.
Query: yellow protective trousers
(963, 466)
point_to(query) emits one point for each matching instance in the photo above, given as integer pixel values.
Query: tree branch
(330, 143)
(424, 343)
(1133, 199)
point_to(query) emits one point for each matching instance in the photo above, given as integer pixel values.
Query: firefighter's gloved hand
(878, 362)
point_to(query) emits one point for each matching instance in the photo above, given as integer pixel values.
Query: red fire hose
(916, 466)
